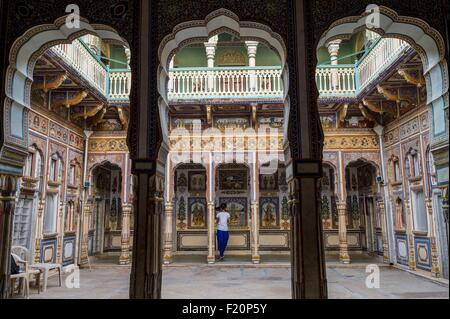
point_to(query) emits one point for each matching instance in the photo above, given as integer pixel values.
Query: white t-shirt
(223, 220)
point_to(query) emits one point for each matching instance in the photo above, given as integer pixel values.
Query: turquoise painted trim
(227, 68)
(329, 66)
(357, 81)
(278, 96)
(92, 53)
(107, 82)
(119, 70)
(374, 43)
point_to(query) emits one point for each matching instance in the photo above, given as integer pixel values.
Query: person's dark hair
(222, 206)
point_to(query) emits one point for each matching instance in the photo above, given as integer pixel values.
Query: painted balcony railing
(378, 59)
(82, 60)
(230, 82)
(336, 80)
(346, 80)
(119, 84)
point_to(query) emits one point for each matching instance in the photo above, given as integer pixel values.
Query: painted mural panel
(197, 181)
(237, 207)
(268, 182)
(269, 212)
(233, 180)
(197, 212)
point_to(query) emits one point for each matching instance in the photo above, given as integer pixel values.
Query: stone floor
(234, 279)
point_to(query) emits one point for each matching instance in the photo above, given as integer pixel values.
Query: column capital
(127, 207)
(333, 47)
(87, 134)
(341, 206)
(252, 48)
(210, 50)
(379, 130)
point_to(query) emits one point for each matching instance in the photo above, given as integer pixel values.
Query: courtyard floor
(237, 280)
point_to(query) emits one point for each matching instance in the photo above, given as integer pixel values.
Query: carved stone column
(168, 241)
(333, 50)
(252, 47)
(60, 231)
(342, 225)
(37, 245)
(8, 187)
(125, 240)
(168, 214)
(254, 208)
(210, 48)
(412, 259)
(211, 233)
(435, 269)
(383, 221)
(85, 237)
(255, 232)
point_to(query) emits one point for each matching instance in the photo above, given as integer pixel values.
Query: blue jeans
(222, 241)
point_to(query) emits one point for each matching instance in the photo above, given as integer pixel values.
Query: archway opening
(377, 74)
(67, 101)
(223, 105)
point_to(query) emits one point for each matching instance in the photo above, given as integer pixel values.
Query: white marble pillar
(210, 48)
(342, 213)
(168, 213)
(333, 50)
(126, 234)
(254, 208)
(211, 218)
(252, 47)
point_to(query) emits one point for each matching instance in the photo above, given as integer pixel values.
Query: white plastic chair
(23, 276)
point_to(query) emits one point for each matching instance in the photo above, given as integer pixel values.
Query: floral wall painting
(269, 212)
(197, 213)
(181, 213)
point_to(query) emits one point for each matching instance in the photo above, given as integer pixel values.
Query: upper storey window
(413, 163)
(55, 168)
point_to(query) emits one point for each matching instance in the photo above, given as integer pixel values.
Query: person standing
(222, 220)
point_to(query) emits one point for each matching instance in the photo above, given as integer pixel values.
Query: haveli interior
(384, 188)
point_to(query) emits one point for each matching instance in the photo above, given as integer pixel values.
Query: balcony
(113, 84)
(225, 83)
(336, 82)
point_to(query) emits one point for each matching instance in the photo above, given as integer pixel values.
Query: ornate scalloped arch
(19, 75)
(199, 31)
(424, 39)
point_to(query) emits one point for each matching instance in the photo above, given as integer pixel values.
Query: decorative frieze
(58, 132)
(409, 128)
(351, 142)
(37, 122)
(108, 145)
